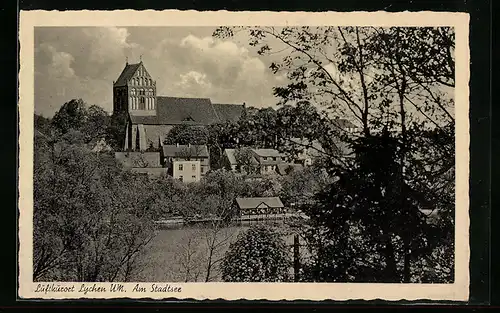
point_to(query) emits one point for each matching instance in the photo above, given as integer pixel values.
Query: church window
(141, 92)
(181, 167)
(142, 104)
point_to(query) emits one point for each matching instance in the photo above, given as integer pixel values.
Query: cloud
(194, 84)
(229, 73)
(57, 63)
(82, 62)
(77, 62)
(106, 45)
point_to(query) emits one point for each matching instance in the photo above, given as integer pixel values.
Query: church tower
(135, 91)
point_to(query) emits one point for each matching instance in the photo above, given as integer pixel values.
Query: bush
(259, 255)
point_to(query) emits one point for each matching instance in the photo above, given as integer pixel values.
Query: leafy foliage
(347, 218)
(91, 219)
(259, 255)
(185, 134)
(395, 82)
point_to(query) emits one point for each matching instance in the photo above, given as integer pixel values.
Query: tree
(115, 133)
(190, 257)
(351, 241)
(258, 255)
(72, 115)
(395, 79)
(245, 160)
(186, 134)
(300, 187)
(222, 135)
(91, 121)
(91, 219)
(96, 124)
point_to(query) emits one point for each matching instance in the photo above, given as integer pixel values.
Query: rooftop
(253, 203)
(230, 156)
(185, 150)
(138, 159)
(194, 111)
(343, 123)
(126, 74)
(267, 153)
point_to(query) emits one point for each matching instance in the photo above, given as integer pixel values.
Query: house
(259, 205)
(230, 159)
(308, 151)
(188, 163)
(264, 161)
(345, 125)
(151, 117)
(268, 159)
(142, 162)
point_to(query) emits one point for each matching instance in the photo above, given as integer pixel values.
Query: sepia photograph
(285, 154)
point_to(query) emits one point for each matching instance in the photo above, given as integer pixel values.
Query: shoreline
(242, 218)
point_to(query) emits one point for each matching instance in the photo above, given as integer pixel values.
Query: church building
(151, 117)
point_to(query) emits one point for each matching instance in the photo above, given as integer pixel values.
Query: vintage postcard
(244, 155)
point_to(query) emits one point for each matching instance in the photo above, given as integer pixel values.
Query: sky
(82, 62)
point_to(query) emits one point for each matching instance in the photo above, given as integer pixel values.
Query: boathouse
(259, 206)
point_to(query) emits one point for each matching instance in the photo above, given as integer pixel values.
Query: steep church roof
(126, 74)
(195, 111)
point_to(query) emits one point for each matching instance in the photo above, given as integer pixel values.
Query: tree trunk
(390, 274)
(406, 266)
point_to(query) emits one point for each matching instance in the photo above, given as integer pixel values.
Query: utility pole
(296, 262)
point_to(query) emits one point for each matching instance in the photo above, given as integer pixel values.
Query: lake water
(180, 254)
